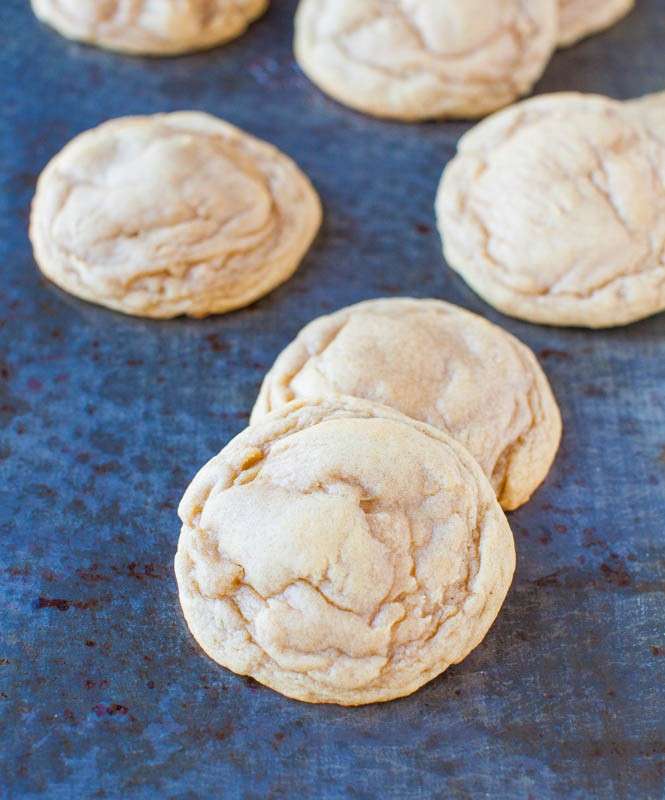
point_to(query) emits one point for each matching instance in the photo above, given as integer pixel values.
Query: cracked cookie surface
(554, 211)
(150, 27)
(436, 363)
(581, 18)
(340, 552)
(171, 214)
(423, 59)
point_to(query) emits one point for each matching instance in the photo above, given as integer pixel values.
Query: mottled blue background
(104, 419)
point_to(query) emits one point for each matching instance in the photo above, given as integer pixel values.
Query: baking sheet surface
(104, 419)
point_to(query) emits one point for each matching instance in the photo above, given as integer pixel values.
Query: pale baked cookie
(340, 552)
(423, 59)
(150, 27)
(171, 214)
(438, 364)
(581, 18)
(554, 212)
(650, 111)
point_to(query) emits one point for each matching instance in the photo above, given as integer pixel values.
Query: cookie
(340, 552)
(424, 59)
(581, 18)
(171, 214)
(554, 212)
(650, 111)
(436, 363)
(150, 27)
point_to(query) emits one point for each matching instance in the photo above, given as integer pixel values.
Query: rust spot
(89, 643)
(216, 344)
(19, 572)
(657, 651)
(546, 538)
(110, 710)
(548, 352)
(46, 602)
(65, 605)
(547, 580)
(589, 538)
(43, 491)
(594, 391)
(104, 469)
(422, 228)
(661, 457)
(35, 385)
(91, 575)
(139, 572)
(225, 732)
(561, 528)
(614, 571)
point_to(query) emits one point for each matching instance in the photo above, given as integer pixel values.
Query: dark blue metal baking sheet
(104, 419)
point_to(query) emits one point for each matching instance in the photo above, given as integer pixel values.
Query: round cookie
(436, 363)
(171, 214)
(340, 552)
(150, 27)
(554, 212)
(424, 59)
(581, 18)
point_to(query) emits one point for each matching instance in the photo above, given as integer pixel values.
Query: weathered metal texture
(105, 419)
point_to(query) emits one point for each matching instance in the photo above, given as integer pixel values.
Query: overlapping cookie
(341, 552)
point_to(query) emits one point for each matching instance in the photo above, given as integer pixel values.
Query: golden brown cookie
(424, 59)
(340, 552)
(150, 27)
(436, 363)
(554, 211)
(171, 214)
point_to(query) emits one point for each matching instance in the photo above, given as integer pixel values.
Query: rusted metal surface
(104, 419)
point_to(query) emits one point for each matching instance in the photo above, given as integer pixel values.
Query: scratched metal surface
(104, 419)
